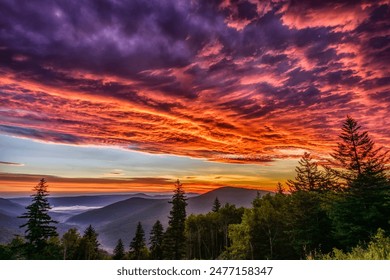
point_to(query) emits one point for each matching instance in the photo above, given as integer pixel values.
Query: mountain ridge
(124, 226)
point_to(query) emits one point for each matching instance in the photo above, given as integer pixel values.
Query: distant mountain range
(9, 223)
(116, 216)
(87, 200)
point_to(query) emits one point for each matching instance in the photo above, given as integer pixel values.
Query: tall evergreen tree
(356, 154)
(174, 238)
(138, 249)
(39, 224)
(119, 251)
(364, 204)
(216, 205)
(89, 245)
(156, 240)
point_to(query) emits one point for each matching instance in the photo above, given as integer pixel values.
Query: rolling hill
(131, 206)
(9, 223)
(85, 200)
(10, 208)
(238, 196)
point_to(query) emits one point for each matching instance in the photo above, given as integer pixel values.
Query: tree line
(338, 210)
(41, 240)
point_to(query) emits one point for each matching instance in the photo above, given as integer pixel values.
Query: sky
(122, 96)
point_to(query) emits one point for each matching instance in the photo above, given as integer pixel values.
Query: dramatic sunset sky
(121, 96)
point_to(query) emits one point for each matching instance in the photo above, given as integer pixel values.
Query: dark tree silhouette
(174, 238)
(39, 224)
(279, 188)
(119, 251)
(216, 205)
(309, 224)
(156, 240)
(309, 177)
(138, 249)
(363, 206)
(356, 154)
(89, 245)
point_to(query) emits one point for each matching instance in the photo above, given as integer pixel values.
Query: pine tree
(89, 245)
(279, 188)
(119, 251)
(309, 177)
(355, 154)
(216, 205)
(39, 223)
(156, 240)
(309, 225)
(138, 249)
(174, 238)
(364, 204)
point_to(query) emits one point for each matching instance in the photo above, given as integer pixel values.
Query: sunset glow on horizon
(108, 96)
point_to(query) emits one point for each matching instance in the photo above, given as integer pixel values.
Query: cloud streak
(11, 163)
(15, 184)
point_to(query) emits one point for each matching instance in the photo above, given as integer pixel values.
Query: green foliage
(355, 217)
(207, 234)
(5, 252)
(138, 249)
(281, 227)
(228, 215)
(240, 236)
(119, 251)
(15, 250)
(309, 226)
(38, 225)
(156, 241)
(71, 242)
(202, 234)
(174, 243)
(53, 249)
(377, 249)
(88, 248)
(268, 225)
